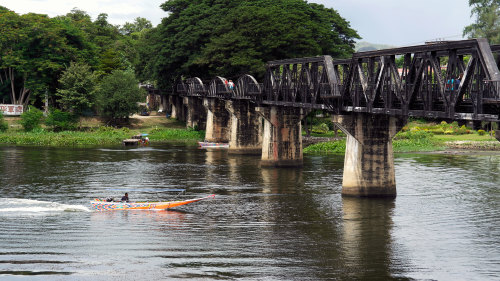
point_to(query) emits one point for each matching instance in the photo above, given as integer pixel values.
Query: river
(263, 224)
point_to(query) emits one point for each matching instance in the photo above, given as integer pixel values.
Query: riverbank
(94, 132)
(416, 137)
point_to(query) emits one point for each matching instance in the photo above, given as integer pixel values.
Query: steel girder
(372, 82)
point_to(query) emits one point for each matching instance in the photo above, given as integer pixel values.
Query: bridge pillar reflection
(196, 114)
(282, 136)
(217, 120)
(246, 126)
(369, 159)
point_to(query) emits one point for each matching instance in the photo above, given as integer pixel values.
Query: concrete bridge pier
(497, 132)
(282, 136)
(369, 159)
(217, 129)
(195, 113)
(246, 127)
(177, 108)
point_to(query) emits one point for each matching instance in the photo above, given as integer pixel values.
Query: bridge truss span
(455, 80)
(451, 80)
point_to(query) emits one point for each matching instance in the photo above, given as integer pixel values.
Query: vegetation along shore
(417, 136)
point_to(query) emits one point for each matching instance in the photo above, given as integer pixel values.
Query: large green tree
(231, 37)
(487, 20)
(34, 50)
(118, 95)
(76, 92)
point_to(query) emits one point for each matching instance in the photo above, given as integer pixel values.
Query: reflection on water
(265, 223)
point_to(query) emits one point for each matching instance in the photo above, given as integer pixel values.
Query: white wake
(18, 206)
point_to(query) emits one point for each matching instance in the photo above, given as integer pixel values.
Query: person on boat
(125, 198)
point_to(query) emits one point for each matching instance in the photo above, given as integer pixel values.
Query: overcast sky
(393, 22)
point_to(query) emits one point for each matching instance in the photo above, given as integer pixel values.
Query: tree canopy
(205, 38)
(36, 49)
(33, 51)
(118, 95)
(487, 20)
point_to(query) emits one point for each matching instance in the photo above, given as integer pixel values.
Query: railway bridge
(369, 96)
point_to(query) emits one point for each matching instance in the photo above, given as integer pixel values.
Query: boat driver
(125, 198)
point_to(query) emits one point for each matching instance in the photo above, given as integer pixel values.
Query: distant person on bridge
(231, 85)
(450, 84)
(457, 81)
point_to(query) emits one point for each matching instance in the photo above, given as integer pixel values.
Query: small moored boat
(103, 205)
(204, 144)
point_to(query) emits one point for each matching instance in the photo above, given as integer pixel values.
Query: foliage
(139, 25)
(118, 95)
(3, 124)
(36, 49)
(231, 37)
(33, 52)
(77, 88)
(481, 132)
(327, 147)
(176, 134)
(413, 135)
(103, 135)
(487, 20)
(320, 129)
(61, 121)
(31, 119)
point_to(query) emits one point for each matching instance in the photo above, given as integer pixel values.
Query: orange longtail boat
(103, 205)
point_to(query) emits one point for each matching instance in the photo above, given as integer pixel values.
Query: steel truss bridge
(372, 82)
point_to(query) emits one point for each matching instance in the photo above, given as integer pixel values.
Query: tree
(77, 88)
(34, 50)
(138, 25)
(118, 95)
(230, 37)
(487, 22)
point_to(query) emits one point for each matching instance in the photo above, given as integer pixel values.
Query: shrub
(481, 132)
(413, 135)
(437, 131)
(61, 121)
(31, 119)
(328, 147)
(3, 125)
(320, 129)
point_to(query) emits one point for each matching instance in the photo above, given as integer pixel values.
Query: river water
(263, 224)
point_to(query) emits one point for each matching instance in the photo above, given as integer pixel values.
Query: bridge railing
(491, 91)
(182, 88)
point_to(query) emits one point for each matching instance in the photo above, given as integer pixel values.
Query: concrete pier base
(177, 108)
(217, 129)
(246, 127)
(196, 115)
(369, 159)
(282, 136)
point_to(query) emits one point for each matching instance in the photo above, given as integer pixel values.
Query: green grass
(158, 135)
(327, 147)
(102, 136)
(468, 137)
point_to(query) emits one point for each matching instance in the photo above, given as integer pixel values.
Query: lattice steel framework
(372, 82)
